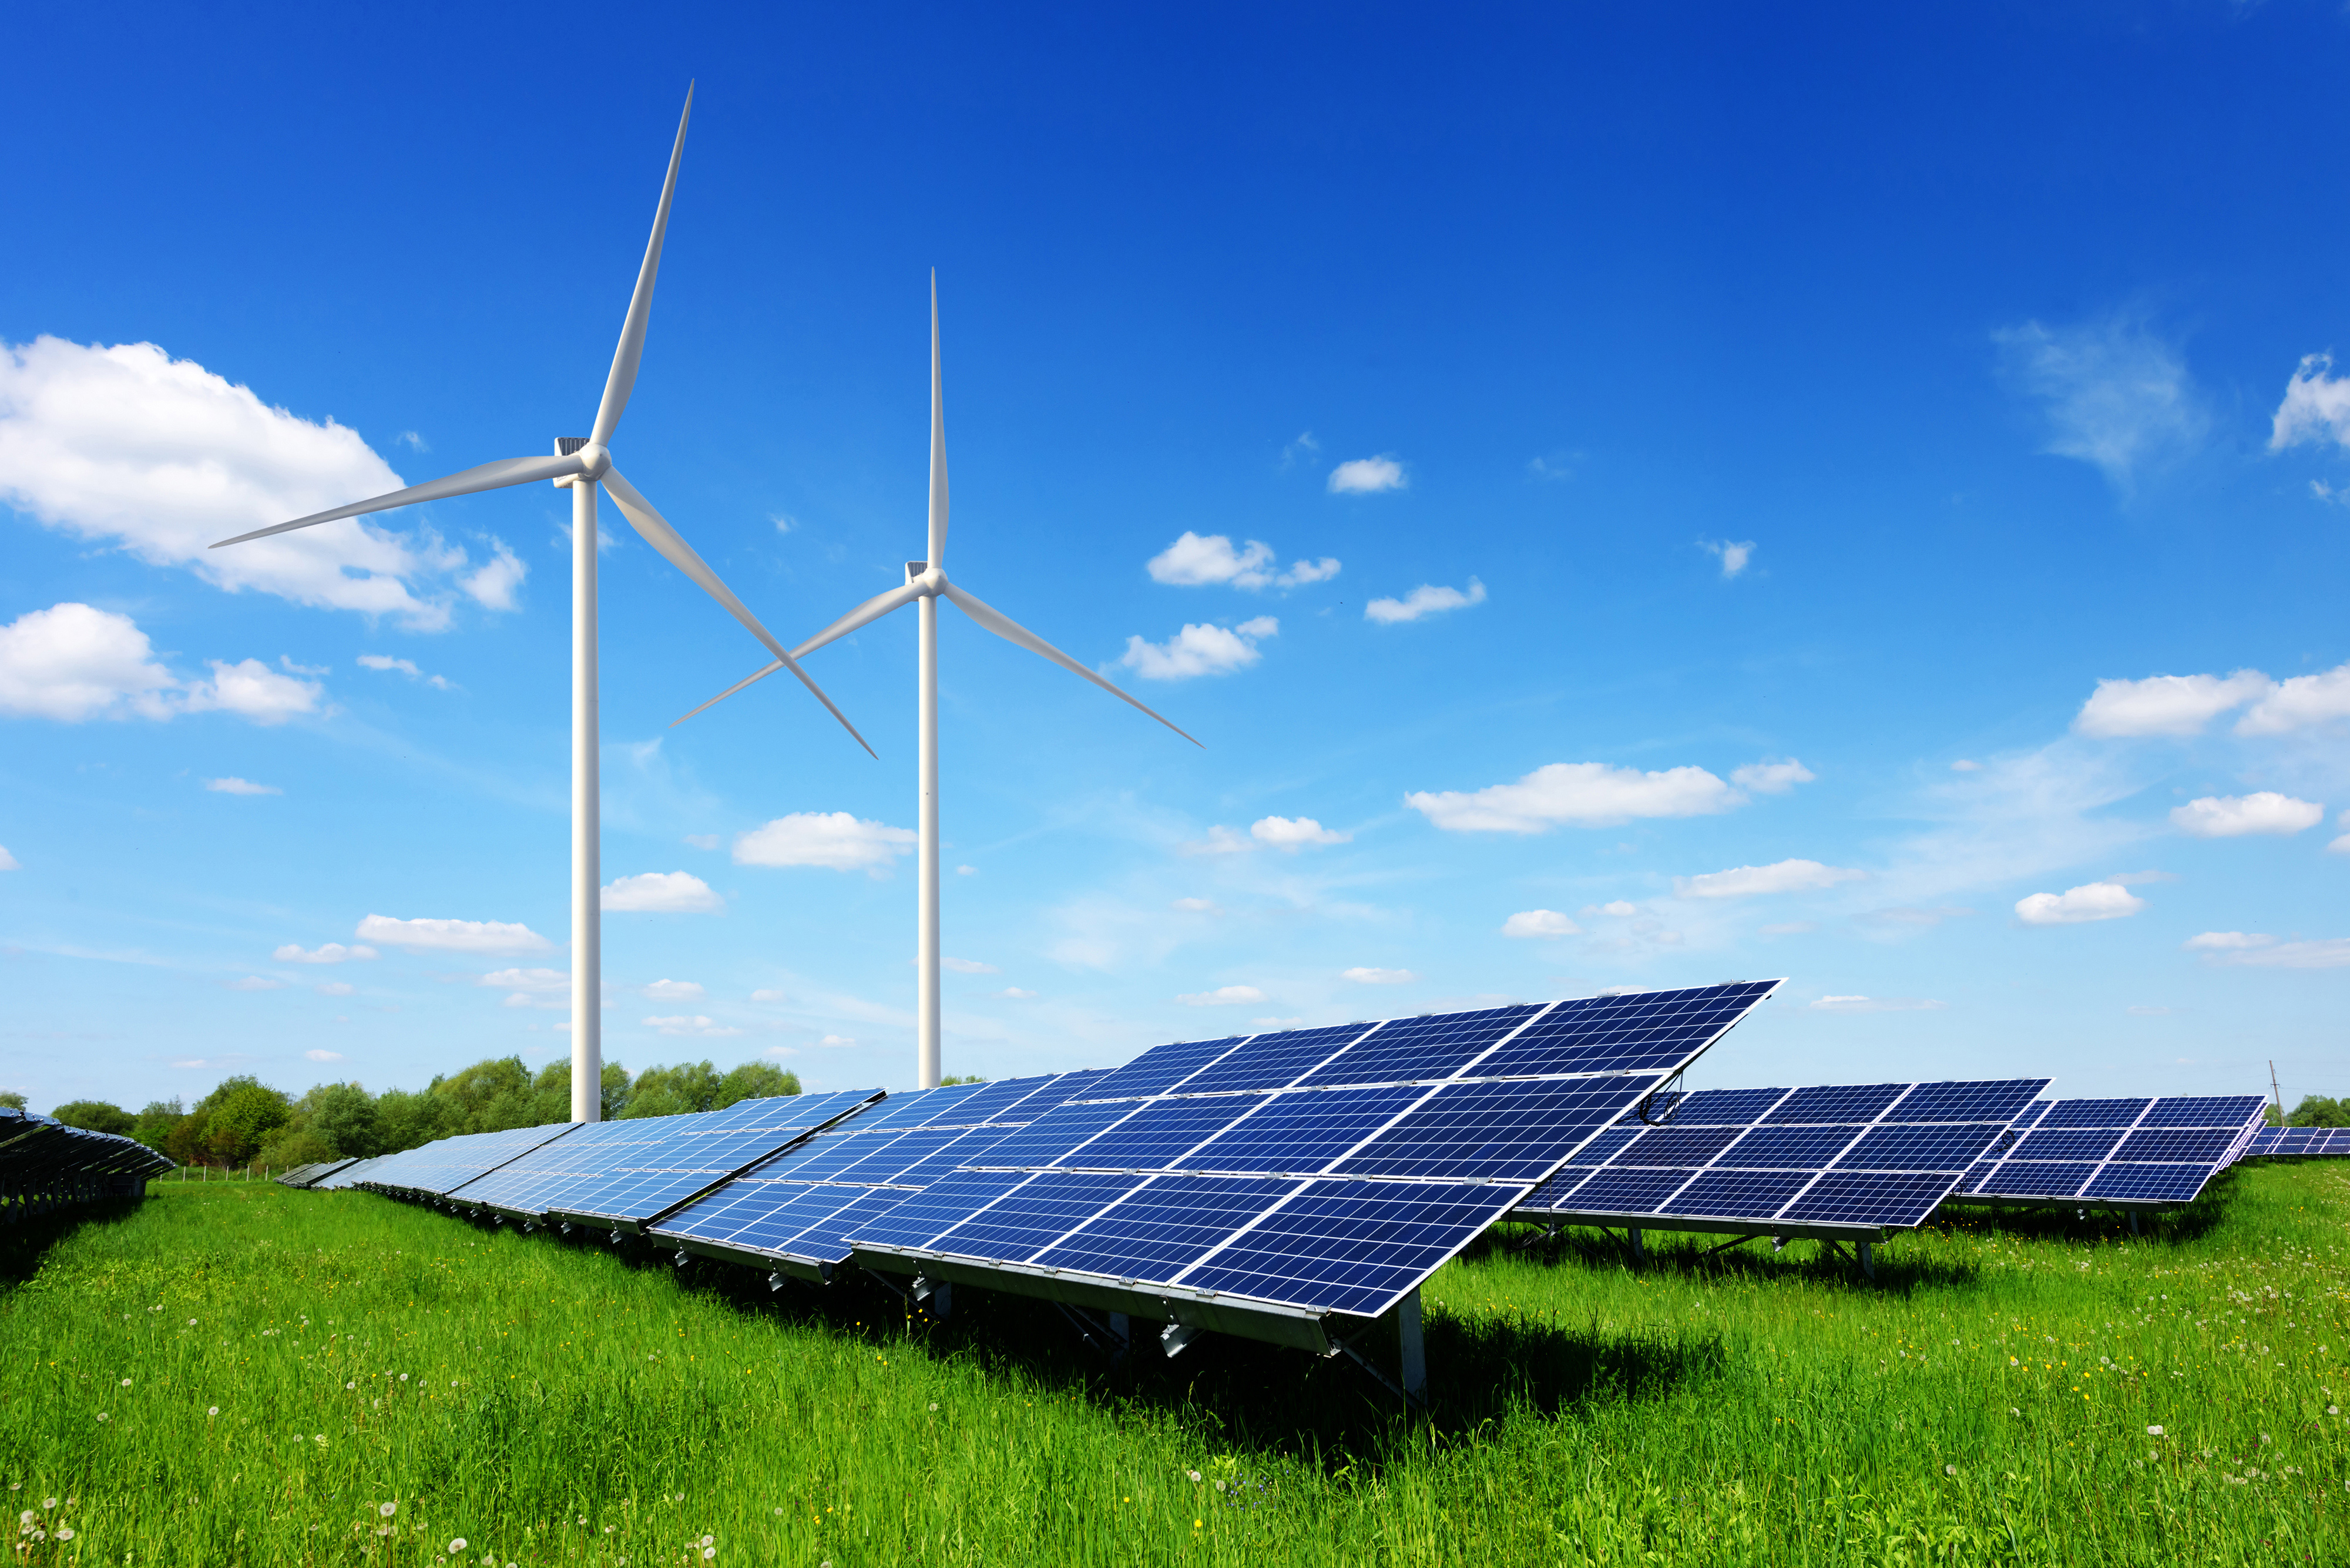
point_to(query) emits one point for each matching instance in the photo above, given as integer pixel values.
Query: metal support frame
(1410, 1383)
(1112, 1333)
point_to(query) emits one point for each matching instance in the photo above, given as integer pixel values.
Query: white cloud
(1578, 794)
(832, 839)
(2330, 953)
(126, 446)
(1220, 840)
(966, 870)
(1302, 574)
(2227, 941)
(2316, 406)
(1223, 996)
(2234, 816)
(412, 440)
(695, 1026)
(1424, 600)
(405, 666)
(1015, 993)
(1772, 778)
(1195, 907)
(2091, 901)
(326, 952)
(1621, 909)
(664, 892)
(324, 1056)
(2114, 393)
(2299, 703)
(769, 996)
(497, 583)
(674, 991)
(452, 936)
(2339, 846)
(1782, 877)
(1366, 476)
(539, 981)
(1367, 976)
(968, 966)
(234, 785)
(1733, 554)
(837, 1039)
(335, 988)
(251, 690)
(256, 982)
(9, 862)
(1295, 833)
(72, 662)
(2165, 704)
(1305, 448)
(1875, 1004)
(1204, 649)
(1194, 561)
(1539, 923)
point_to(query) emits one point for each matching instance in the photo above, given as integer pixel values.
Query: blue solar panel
(2117, 1151)
(436, 1169)
(1866, 1154)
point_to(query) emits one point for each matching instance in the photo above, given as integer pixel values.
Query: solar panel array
(2298, 1143)
(1849, 1158)
(2115, 1151)
(438, 1168)
(45, 1163)
(1311, 1171)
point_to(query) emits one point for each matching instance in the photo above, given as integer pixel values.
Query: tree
(2317, 1111)
(949, 1081)
(489, 1097)
(12, 1099)
(345, 1117)
(755, 1081)
(156, 1120)
(97, 1115)
(228, 1126)
(551, 1093)
(673, 1091)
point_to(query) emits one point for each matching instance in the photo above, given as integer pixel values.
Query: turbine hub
(932, 580)
(598, 459)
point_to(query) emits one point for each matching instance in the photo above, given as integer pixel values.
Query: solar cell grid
(1272, 1061)
(2132, 1150)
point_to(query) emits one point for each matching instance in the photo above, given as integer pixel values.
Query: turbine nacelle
(594, 458)
(927, 581)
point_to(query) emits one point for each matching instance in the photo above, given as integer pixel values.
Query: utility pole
(2275, 1094)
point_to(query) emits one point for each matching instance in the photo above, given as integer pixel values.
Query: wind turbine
(579, 464)
(926, 584)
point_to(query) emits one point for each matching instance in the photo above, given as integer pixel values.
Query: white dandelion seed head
(388, 1510)
(213, 1411)
(707, 1554)
(1193, 1474)
(2153, 1431)
(457, 1546)
(51, 1502)
(65, 1533)
(706, 1540)
(126, 1383)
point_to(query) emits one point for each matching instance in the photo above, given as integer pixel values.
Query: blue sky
(1833, 494)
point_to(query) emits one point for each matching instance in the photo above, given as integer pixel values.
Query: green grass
(1987, 1401)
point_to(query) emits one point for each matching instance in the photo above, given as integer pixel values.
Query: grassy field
(236, 1374)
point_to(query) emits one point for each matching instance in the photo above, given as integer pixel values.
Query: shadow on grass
(2075, 1224)
(25, 1243)
(1802, 1262)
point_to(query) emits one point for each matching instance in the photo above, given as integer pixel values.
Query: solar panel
(44, 1162)
(1256, 1184)
(350, 1175)
(796, 1209)
(2297, 1143)
(435, 1169)
(2119, 1152)
(1851, 1159)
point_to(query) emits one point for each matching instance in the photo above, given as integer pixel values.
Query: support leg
(2134, 1230)
(1867, 1258)
(1415, 1357)
(1635, 1246)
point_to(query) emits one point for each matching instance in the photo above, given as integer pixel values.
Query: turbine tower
(926, 584)
(579, 464)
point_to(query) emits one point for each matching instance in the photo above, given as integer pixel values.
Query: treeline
(246, 1122)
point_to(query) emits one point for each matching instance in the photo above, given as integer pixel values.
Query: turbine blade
(746, 680)
(657, 533)
(1012, 631)
(625, 358)
(938, 439)
(489, 476)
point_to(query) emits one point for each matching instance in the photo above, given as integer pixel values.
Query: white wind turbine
(579, 464)
(926, 583)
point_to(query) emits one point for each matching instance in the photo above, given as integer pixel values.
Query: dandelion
(403, 1377)
(126, 1383)
(2333, 1410)
(191, 1323)
(707, 1554)
(101, 1415)
(213, 1411)
(2153, 1431)
(1949, 1470)
(26, 1517)
(350, 1385)
(388, 1509)
(1193, 1474)
(51, 1502)
(708, 1539)
(457, 1546)
(65, 1533)
(934, 1403)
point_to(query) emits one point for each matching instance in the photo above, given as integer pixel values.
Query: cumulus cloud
(1015, 993)
(1204, 649)
(1366, 476)
(2165, 704)
(536, 981)
(2114, 392)
(2091, 901)
(2226, 941)
(325, 952)
(2300, 702)
(1192, 561)
(674, 991)
(966, 870)
(2316, 406)
(127, 447)
(1424, 600)
(2234, 816)
(1782, 877)
(831, 839)
(1223, 996)
(1539, 923)
(1294, 833)
(1577, 795)
(1367, 976)
(837, 1039)
(324, 1056)
(1875, 1004)
(1733, 554)
(452, 936)
(251, 690)
(662, 892)
(9, 862)
(1772, 777)
(234, 785)
(72, 662)
(968, 966)
(694, 1025)
(1220, 840)
(495, 583)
